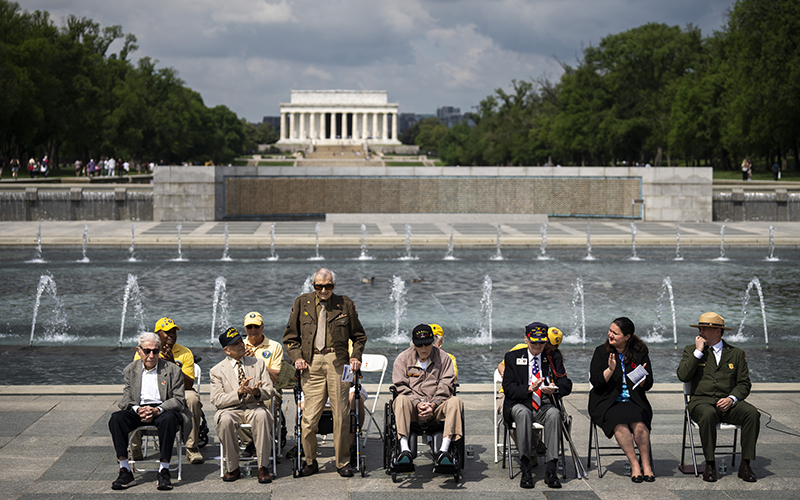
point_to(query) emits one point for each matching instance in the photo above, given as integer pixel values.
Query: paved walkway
(55, 443)
(391, 232)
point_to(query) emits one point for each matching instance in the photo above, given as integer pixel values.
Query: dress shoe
(649, 479)
(194, 456)
(346, 471)
(637, 479)
(746, 473)
(232, 475)
(526, 480)
(309, 469)
(710, 473)
(164, 482)
(124, 480)
(551, 479)
(263, 475)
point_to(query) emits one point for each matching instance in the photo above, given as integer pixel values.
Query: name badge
(522, 361)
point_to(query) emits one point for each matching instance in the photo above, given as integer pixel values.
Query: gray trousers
(548, 416)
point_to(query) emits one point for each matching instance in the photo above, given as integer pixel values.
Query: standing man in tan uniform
(316, 339)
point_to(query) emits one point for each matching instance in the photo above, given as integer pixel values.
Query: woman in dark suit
(614, 404)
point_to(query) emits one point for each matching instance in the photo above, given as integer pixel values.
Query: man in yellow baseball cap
(438, 341)
(167, 330)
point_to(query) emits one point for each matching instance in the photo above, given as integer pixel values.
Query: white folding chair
(249, 461)
(498, 416)
(690, 424)
(373, 363)
(151, 431)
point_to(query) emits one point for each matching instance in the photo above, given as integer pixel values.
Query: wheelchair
(431, 430)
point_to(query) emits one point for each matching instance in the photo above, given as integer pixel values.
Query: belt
(324, 351)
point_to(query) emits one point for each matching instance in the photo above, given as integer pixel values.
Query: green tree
(764, 95)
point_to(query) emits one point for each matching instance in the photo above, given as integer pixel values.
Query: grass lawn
(736, 175)
(404, 164)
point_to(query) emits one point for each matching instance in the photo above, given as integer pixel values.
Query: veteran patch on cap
(165, 324)
(536, 332)
(422, 335)
(231, 336)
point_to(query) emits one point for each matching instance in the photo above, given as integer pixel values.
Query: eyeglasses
(148, 352)
(248, 327)
(326, 286)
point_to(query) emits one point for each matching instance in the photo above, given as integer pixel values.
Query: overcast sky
(249, 54)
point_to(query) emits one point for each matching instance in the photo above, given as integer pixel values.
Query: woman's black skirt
(621, 413)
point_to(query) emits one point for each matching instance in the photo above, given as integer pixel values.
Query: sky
(250, 54)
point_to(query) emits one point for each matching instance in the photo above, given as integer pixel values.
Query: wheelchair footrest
(403, 468)
(446, 469)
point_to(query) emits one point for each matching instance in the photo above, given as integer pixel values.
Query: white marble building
(338, 118)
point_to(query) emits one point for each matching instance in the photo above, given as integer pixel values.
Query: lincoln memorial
(338, 118)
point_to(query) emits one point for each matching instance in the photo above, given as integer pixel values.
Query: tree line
(653, 94)
(66, 95)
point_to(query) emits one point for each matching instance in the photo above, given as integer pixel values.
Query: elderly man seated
(529, 376)
(241, 390)
(153, 395)
(424, 378)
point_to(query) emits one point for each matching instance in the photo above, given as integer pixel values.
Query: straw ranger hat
(712, 320)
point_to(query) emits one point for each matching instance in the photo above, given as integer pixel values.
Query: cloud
(250, 54)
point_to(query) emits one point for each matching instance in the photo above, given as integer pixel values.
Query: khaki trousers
(323, 380)
(448, 412)
(227, 422)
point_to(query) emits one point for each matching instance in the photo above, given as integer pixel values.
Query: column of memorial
(283, 125)
(291, 125)
(385, 124)
(394, 126)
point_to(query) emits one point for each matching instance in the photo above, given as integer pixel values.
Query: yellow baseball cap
(437, 330)
(165, 324)
(555, 336)
(253, 318)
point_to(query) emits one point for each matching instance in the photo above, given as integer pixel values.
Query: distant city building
(450, 116)
(338, 117)
(275, 121)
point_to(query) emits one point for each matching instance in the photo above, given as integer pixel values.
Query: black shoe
(308, 470)
(746, 473)
(551, 478)
(444, 463)
(346, 471)
(124, 480)
(526, 481)
(249, 451)
(164, 482)
(710, 473)
(404, 458)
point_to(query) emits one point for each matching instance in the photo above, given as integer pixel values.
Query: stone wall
(217, 193)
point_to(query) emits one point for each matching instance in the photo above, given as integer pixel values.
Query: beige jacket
(432, 385)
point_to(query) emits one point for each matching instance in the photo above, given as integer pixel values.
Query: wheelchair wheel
(394, 477)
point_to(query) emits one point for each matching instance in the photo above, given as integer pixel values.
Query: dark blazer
(343, 325)
(603, 394)
(170, 388)
(515, 379)
(712, 382)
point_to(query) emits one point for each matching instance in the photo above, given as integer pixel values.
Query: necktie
(319, 343)
(537, 395)
(241, 372)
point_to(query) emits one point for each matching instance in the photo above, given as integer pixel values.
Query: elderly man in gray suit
(153, 395)
(241, 389)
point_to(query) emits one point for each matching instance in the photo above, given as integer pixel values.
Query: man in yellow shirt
(438, 341)
(167, 330)
(258, 346)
